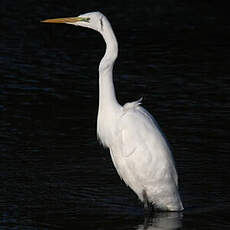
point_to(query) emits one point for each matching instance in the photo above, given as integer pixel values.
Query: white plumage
(138, 148)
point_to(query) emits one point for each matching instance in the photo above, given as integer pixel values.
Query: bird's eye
(85, 19)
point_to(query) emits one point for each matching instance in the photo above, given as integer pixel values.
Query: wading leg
(146, 202)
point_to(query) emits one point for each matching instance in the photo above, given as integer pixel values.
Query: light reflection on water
(53, 173)
(163, 221)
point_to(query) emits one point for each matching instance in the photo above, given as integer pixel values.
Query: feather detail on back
(132, 105)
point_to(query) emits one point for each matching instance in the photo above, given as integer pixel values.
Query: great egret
(138, 148)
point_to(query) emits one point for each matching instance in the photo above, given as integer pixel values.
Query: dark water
(53, 173)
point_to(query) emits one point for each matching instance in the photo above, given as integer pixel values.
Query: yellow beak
(66, 20)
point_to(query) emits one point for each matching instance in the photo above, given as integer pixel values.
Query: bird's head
(93, 20)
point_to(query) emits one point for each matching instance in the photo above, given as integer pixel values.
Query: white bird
(138, 148)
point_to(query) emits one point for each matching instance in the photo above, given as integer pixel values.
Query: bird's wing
(143, 143)
(138, 129)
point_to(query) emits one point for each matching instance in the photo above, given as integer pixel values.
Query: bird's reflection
(163, 221)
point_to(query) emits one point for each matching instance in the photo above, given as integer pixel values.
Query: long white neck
(107, 95)
(109, 109)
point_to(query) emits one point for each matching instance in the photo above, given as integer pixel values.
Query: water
(53, 173)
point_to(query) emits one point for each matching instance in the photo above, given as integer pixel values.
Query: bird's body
(138, 148)
(141, 155)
